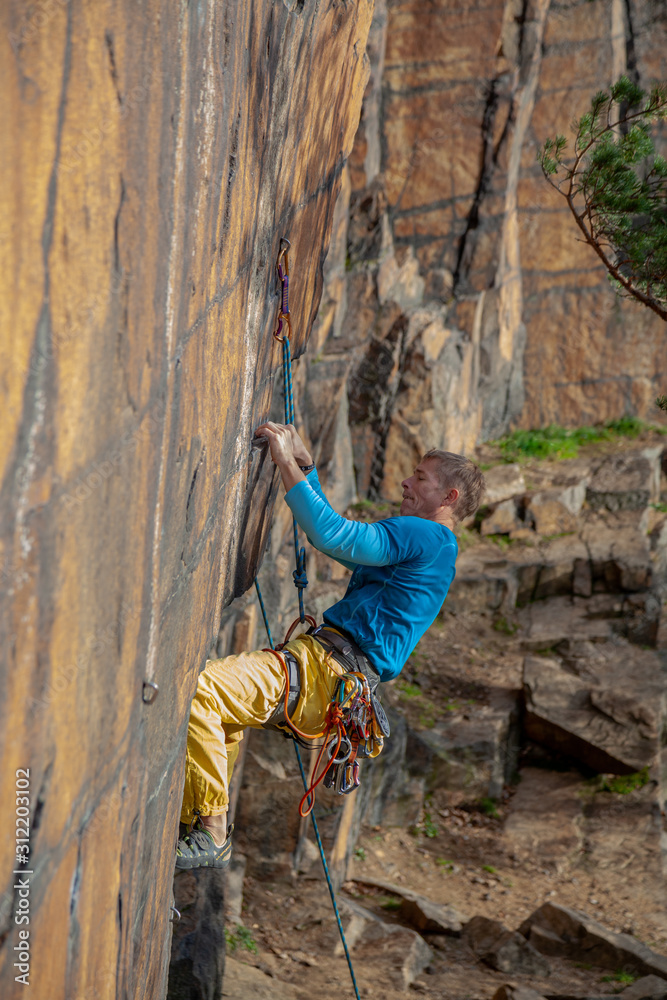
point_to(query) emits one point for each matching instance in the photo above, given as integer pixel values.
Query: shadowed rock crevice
(489, 159)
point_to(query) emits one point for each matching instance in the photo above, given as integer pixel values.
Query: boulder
(502, 949)
(501, 519)
(619, 551)
(234, 889)
(646, 988)
(395, 791)
(626, 481)
(404, 952)
(489, 579)
(475, 755)
(508, 991)
(243, 981)
(419, 911)
(555, 511)
(198, 936)
(562, 568)
(504, 482)
(606, 716)
(481, 583)
(544, 817)
(657, 535)
(546, 624)
(559, 931)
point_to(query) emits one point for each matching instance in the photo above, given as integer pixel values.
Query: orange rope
(334, 718)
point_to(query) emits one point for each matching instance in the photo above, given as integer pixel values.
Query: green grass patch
(489, 868)
(623, 784)
(488, 807)
(445, 864)
(662, 507)
(408, 690)
(501, 624)
(391, 903)
(429, 827)
(559, 442)
(241, 938)
(360, 854)
(502, 542)
(620, 977)
(466, 539)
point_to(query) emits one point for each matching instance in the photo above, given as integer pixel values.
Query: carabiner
(344, 750)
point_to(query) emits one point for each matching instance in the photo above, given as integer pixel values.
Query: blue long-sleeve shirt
(403, 568)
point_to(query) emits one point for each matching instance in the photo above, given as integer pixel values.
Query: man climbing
(402, 569)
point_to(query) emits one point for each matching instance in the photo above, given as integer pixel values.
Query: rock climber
(402, 568)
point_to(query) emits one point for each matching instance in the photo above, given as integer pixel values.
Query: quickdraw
(283, 278)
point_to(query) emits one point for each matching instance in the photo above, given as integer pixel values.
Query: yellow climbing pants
(240, 691)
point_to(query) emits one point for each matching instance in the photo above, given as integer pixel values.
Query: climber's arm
(350, 542)
(313, 481)
(289, 453)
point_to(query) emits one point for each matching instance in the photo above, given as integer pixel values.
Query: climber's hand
(301, 453)
(280, 442)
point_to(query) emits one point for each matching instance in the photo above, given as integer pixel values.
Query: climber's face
(423, 495)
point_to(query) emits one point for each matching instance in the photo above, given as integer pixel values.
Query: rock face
(406, 952)
(463, 303)
(420, 912)
(604, 716)
(157, 159)
(557, 930)
(503, 949)
(158, 155)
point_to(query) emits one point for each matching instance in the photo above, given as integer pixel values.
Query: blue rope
(301, 582)
(328, 877)
(299, 574)
(314, 821)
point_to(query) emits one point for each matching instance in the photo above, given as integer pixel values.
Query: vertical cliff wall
(153, 154)
(459, 301)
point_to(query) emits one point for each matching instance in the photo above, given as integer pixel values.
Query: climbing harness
(335, 713)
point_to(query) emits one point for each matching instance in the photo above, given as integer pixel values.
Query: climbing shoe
(197, 849)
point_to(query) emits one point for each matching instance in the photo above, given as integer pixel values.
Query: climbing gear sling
(300, 582)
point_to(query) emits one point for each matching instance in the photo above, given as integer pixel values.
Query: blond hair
(458, 472)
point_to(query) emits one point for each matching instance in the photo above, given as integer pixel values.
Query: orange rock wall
(461, 303)
(470, 93)
(152, 157)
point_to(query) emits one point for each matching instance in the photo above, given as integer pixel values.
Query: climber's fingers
(280, 441)
(301, 453)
